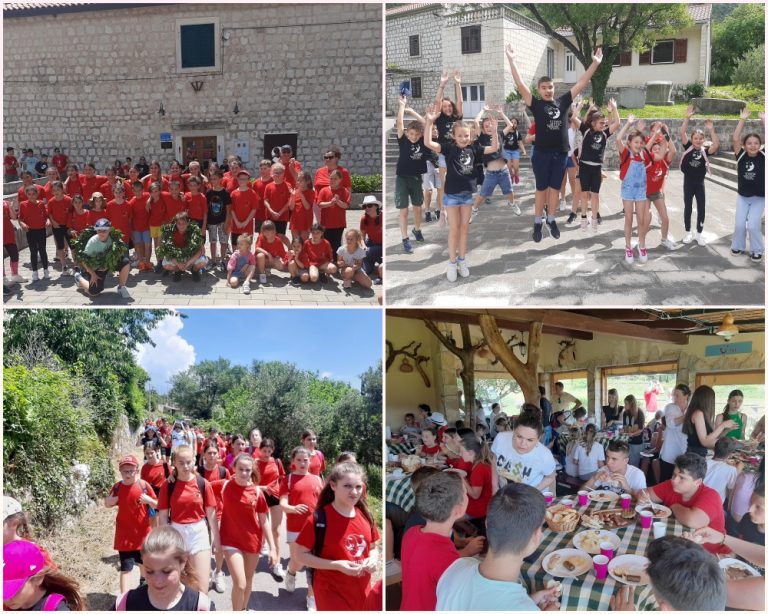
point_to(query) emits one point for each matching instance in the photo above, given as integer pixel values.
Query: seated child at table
(589, 455)
(514, 529)
(721, 476)
(617, 475)
(430, 446)
(398, 520)
(751, 527)
(427, 551)
(411, 427)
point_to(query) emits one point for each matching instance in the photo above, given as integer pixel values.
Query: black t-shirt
(612, 413)
(693, 164)
(551, 120)
(138, 599)
(41, 167)
(60, 607)
(444, 125)
(593, 144)
(747, 530)
(512, 140)
(637, 420)
(412, 160)
(218, 201)
(485, 141)
(460, 165)
(431, 156)
(143, 169)
(751, 173)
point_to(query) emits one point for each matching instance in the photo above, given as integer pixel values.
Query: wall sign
(727, 349)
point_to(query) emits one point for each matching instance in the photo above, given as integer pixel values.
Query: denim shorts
(216, 233)
(499, 178)
(141, 236)
(570, 163)
(633, 192)
(457, 200)
(510, 154)
(441, 161)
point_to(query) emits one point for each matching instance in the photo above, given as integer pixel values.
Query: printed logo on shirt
(749, 171)
(466, 163)
(355, 545)
(554, 113)
(519, 471)
(416, 153)
(696, 158)
(658, 173)
(596, 142)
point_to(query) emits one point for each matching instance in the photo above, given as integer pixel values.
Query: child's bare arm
(457, 90)
(430, 117)
(522, 88)
(736, 139)
(710, 125)
(579, 86)
(399, 125)
(689, 113)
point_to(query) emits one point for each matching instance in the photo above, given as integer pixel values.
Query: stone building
(194, 80)
(473, 40)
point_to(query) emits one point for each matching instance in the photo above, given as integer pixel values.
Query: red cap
(128, 459)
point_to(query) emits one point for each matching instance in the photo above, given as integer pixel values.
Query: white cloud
(326, 375)
(170, 355)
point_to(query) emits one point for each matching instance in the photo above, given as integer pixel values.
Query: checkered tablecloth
(400, 448)
(586, 592)
(400, 493)
(601, 438)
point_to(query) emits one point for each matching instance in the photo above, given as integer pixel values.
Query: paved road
(152, 289)
(581, 268)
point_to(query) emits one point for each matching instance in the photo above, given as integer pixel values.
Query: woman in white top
(590, 456)
(519, 457)
(675, 441)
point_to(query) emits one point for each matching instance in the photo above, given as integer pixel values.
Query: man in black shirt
(551, 119)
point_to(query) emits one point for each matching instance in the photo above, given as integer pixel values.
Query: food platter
(603, 496)
(560, 562)
(629, 569)
(735, 569)
(660, 512)
(613, 518)
(590, 540)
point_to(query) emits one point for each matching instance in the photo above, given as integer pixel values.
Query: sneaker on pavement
(599, 219)
(700, 239)
(516, 209)
(452, 272)
(18, 278)
(78, 276)
(428, 216)
(670, 244)
(262, 278)
(537, 231)
(195, 275)
(46, 274)
(571, 218)
(35, 276)
(437, 214)
(311, 606)
(688, 238)
(756, 257)
(407, 247)
(553, 229)
(584, 223)
(462, 267)
(218, 582)
(278, 573)
(629, 256)
(296, 281)
(737, 252)
(123, 292)
(245, 288)
(417, 233)
(643, 254)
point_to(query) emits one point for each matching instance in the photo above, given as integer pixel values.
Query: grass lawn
(677, 111)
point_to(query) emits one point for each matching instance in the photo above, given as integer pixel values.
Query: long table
(601, 437)
(400, 493)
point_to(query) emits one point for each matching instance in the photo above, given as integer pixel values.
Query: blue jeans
(372, 256)
(499, 178)
(749, 212)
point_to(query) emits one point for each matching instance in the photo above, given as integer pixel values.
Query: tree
(495, 389)
(750, 71)
(200, 389)
(740, 32)
(615, 27)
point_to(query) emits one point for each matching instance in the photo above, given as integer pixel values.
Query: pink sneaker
(517, 178)
(643, 255)
(629, 256)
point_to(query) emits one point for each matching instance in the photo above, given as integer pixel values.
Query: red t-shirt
(179, 238)
(316, 253)
(197, 206)
(89, 185)
(172, 206)
(21, 194)
(139, 213)
(480, 476)
(240, 526)
(276, 249)
(11, 166)
(157, 215)
(155, 474)
(317, 463)
(349, 539)
(301, 217)
(627, 157)
(459, 463)
(9, 230)
(215, 474)
(188, 504)
(270, 474)
(335, 216)
(369, 228)
(243, 202)
(79, 221)
(132, 523)
(288, 177)
(180, 179)
(74, 186)
(106, 189)
(120, 216)
(655, 175)
(300, 489)
(322, 181)
(430, 450)
(148, 181)
(46, 191)
(424, 557)
(259, 186)
(278, 195)
(60, 210)
(706, 499)
(216, 486)
(60, 162)
(95, 215)
(229, 182)
(33, 216)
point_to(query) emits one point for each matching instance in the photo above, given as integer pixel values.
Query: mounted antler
(565, 345)
(413, 354)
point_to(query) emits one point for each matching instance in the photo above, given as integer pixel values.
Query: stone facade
(92, 82)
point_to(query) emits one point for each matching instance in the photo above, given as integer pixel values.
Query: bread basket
(410, 463)
(561, 518)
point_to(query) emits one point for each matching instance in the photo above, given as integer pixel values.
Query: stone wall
(92, 82)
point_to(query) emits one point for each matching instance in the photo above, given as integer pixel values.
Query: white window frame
(570, 58)
(668, 40)
(192, 21)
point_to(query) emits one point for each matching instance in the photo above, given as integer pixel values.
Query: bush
(750, 71)
(365, 184)
(693, 90)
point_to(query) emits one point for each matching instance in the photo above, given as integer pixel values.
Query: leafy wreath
(105, 261)
(168, 249)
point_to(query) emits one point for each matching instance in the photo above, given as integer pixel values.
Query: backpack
(52, 602)
(319, 520)
(172, 485)
(203, 602)
(116, 489)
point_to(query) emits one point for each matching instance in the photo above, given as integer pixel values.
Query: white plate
(724, 563)
(630, 562)
(395, 476)
(660, 512)
(605, 536)
(561, 572)
(603, 496)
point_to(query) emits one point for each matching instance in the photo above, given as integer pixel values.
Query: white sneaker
(472, 217)
(629, 256)
(246, 289)
(46, 274)
(671, 244)
(516, 209)
(264, 549)
(462, 266)
(643, 254)
(35, 276)
(278, 572)
(561, 206)
(218, 581)
(700, 239)
(66, 273)
(594, 224)
(263, 278)
(452, 271)
(18, 278)
(123, 292)
(584, 223)
(290, 582)
(311, 606)
(688, 238)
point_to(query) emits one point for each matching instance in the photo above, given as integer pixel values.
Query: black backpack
(172, 485)
(320, 520)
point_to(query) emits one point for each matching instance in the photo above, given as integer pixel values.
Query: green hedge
(365, 184)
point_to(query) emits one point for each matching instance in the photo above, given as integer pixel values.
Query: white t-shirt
(462, 587)
(587, 463)
(530, 468)
(562, 401)
(635, 478)
(351, 259)
(178, 438)
(675, 441)
(720, 476)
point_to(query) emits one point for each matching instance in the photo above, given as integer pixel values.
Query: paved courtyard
(212, 290)
(581, 268)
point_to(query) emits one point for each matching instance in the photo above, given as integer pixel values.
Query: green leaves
(105, 261)
(168, 249)
(740, 32)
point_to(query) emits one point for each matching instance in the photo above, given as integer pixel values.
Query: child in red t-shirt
(133, 499)
(371, 229)
(90, 182)
(72, 184)
(174, 201)
(10, 166)
(175, 175)
(342, 576)
(299, 493)
(270, 251)
(259, 185)
(156, 208)
(155, 471)
(59, 210)
(478, 481)
(296, 262)
(243, 208)
(316, 457)
(119, 213)
(271, 471)
(334, 202)
(430, 446)
(97, 208)
(317, 255)
(662, 152)
(33, 217)
(142, 241)
(301, 214)
(79, 219)
(196, 204)
(278, 201)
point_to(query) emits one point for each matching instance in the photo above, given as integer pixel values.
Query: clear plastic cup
(659, 529)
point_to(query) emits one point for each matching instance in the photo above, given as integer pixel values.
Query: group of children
(472, 158)
(234, 207)
(228, 494)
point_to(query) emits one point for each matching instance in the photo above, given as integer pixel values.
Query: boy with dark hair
(617, 475)
(513, 531)
(411, 165)
(721, 475)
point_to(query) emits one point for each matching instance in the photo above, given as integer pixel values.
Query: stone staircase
(723, 171)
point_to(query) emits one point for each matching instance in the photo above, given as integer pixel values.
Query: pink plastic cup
(600, 562)
(548, 497)
(567, 503)
(646, 519)
(753, 460)
(606, 549)
(583, 498)
(626, 501)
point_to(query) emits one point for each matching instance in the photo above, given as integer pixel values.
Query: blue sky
(337, 343)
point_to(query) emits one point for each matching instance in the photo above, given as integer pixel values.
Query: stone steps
(723, 172)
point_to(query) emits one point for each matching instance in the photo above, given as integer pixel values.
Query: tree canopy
(740, 32)
(616, 27)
